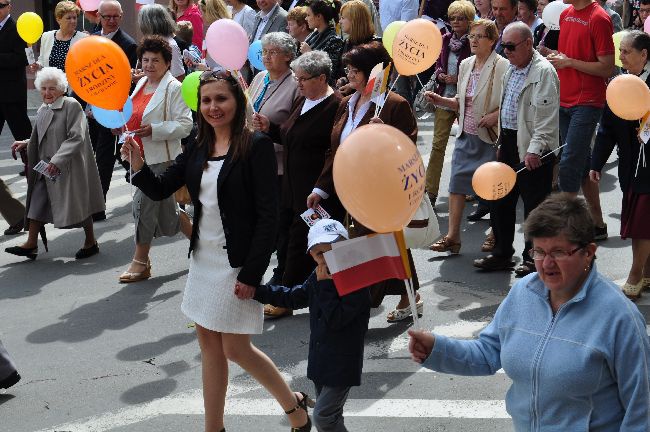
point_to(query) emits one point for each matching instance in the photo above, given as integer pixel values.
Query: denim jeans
(577, 126)
(328, 412)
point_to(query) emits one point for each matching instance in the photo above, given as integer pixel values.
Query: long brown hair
(240, 132)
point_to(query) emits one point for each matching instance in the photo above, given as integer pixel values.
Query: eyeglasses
(350, 71)
(511, 46)
(556, 255)
(302, 80)
(4, 5)
(457, 18)
(477, 36)
(270, 53)
(110, 17)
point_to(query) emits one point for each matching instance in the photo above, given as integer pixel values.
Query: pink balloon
(646, 25)
(227, 43)
(90, 5)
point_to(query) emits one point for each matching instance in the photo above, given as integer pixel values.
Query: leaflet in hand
(41, 168)
(311, 216)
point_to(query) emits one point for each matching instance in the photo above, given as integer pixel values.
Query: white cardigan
(165, 134)
(47, 42)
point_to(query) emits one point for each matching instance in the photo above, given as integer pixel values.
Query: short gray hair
(315, 63)
(281, 40)
(154, 19)
(51, 74)
(115, 3)
(520, 27)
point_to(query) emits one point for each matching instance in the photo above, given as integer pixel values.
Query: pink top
(469, 123)
(193, 15)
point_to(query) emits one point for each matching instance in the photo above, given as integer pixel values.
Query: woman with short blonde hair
(212, 11)
(55, 44)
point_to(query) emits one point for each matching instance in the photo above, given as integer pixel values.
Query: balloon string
(549, 153)
(244, 86)
(383, 99)
(414, 308)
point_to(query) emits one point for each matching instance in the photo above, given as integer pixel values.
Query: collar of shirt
(266, 17)
(522, 71)
(309, 103)
(4, 21)
(108, 35)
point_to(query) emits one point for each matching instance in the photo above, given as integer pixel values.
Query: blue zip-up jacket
(338, 326)
(584, 369)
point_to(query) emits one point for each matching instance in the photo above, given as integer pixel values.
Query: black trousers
(106, 153)
(532, 186)
(15, 114)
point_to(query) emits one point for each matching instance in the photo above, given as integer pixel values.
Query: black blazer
(247, 190)
(127, 43)
(337, 325)
(13, 61)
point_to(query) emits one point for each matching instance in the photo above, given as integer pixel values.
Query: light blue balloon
(113, 119)
(255, 55)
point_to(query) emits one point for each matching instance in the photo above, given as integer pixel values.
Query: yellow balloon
(389, 35)
(617, 47)
(30, 27)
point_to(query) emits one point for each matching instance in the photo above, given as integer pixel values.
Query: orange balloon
(379, 177)
(99, 72)
(416, 47)
(628, 97)
(493, 180)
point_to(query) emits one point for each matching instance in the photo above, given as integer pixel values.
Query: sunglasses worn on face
(511, 46)
(4, 5)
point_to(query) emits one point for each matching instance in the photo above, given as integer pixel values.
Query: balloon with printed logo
(90, 5)
(628, 97)
(30, 27)
(389, 35)
(493, 180)
(227, 43)
(416, 47)
(99, 72)
(616, 37)
(551, 14)
(113, 119)
(379, 177)
(255, 55)
(190, 90)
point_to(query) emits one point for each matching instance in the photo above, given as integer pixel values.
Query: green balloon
(190, 90)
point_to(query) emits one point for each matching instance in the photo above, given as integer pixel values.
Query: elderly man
(13, 60)
(505, 12)
(106, 151)
(529, 129)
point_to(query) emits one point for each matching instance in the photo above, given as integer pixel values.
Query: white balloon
(551, 14)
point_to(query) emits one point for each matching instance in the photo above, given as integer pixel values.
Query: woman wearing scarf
(455, 49)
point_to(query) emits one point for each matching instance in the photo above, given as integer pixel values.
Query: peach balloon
(99, 72)
(379, 177)
(493, 180)
(628, 97)
(416, 47)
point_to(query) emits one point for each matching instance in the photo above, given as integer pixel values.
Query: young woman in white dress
(231, 175)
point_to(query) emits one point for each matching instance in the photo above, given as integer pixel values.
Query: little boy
(338, 326)
(191, 55)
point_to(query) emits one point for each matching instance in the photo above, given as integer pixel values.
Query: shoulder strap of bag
(165, 119)
(488, 96)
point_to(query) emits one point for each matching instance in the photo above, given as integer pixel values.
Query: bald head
(110, 15)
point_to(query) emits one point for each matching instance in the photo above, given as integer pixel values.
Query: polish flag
(363, 261)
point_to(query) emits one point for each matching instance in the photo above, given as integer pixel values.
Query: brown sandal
(488, 244)
(128, 277)
(445, 245)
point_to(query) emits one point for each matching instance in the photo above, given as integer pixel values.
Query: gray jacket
(277, 22)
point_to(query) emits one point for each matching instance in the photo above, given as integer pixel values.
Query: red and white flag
(363, 261)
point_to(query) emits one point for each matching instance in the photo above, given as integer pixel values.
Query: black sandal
(302, 404)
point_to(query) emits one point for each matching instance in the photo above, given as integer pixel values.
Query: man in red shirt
(584, 61)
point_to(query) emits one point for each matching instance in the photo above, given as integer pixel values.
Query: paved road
(99, 356)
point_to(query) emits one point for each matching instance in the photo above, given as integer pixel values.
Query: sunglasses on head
(217, 76)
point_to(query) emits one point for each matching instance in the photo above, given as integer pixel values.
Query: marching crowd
(252, 158)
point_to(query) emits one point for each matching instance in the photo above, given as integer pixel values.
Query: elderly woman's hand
(489, 120)
(19, 145)
(376, 120)
(261, 122)
(52, 170)
(304, 48)
(131, 153)
(432, 97)
(144, 131)
(420, 345)
(34, 67)
(136, 74)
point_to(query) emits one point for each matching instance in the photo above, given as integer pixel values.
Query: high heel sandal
(302, 403)
(128, 277)
(445, 245)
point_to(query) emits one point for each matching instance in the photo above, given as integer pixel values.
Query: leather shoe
(480, 212)
(87, 252)
(493, 263)
(16, 228)
(274, 312)
(10, 380)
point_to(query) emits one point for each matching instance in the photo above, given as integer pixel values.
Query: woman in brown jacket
(356, 110)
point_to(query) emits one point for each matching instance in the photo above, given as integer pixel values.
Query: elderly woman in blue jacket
(575, 348)
(338, 327)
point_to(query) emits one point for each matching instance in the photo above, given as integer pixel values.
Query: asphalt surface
(96, 355)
